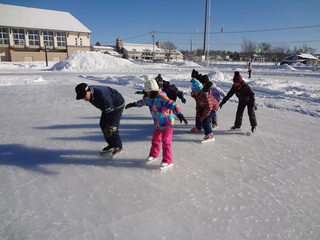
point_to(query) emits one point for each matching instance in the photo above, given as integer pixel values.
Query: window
(61, 39)
(81, 41)
(48, 38)
(4, 37)
(76, 41)
(18, 36)
(33, 37)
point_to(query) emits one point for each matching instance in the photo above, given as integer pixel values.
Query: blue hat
(196, 85)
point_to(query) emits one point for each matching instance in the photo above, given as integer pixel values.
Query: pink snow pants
(164, 136)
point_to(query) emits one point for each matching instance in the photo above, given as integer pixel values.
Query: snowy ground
(53, 184)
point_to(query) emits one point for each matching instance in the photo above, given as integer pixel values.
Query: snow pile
(22, 80)
(85, 61)
(287, 67)
(5, 66)
(93, 62)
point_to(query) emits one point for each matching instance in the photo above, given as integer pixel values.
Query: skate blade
(208, 140)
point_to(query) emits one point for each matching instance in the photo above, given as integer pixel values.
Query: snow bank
(22, 80)
(287, 67)
(93, 62)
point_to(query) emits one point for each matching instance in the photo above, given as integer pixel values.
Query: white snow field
(55, 186)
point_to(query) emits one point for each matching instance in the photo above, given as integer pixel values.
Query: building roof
(307, 56)
(301, 57)
(25, 17)
(141, 47)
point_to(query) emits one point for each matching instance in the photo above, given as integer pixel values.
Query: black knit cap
(204, 79)
(159, 79)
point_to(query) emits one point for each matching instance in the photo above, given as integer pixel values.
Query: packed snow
(243, 186)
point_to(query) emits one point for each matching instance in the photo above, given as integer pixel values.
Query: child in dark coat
(170, 89)
(246, 99)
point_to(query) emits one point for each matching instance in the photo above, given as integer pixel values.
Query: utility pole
(152, 35)
(46, 50)
(205, 29)
(208, 49)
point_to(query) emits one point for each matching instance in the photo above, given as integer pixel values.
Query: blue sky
(294, 22)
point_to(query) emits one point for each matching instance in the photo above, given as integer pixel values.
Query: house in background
(26, 34)
(133, 51)
(301, 58)
(111, 50)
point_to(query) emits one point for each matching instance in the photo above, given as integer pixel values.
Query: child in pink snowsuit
(161, 109)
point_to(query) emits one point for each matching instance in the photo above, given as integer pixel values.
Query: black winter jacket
(243, 92)
(172, 91)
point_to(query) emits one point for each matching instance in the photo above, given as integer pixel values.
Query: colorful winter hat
(150, 84)
(196, 85)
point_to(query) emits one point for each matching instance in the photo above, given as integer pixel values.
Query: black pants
(251, 114)
(112, 119)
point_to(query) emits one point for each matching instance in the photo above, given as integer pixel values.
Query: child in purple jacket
(161, 109)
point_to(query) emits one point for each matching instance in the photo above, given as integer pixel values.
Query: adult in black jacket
(111, 103)
(246, 98)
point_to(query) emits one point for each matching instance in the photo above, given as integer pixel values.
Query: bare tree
(169, 48)
(248, 47)
(280, 51)
(265, 49)
(304, 49)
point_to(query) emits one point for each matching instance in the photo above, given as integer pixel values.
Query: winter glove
(182, 118)
(129, 105)
(183, 100)
(140, 92)
(255, 107)
(202, 118)
(220, 105)
(108, 131)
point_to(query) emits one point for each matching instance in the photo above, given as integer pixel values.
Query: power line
(247, 31)
(138, 36)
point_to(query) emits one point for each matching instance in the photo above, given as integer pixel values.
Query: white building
(111, 50)
(132, 51)
(27, 33)
(301, 58)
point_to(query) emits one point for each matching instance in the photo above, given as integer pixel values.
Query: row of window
(34, 37)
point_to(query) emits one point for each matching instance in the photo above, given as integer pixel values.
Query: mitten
(202, 118)
(183, 100)
(129, 105)
(220, 105)
(182, 118)
(108, 131)
(140, 92)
